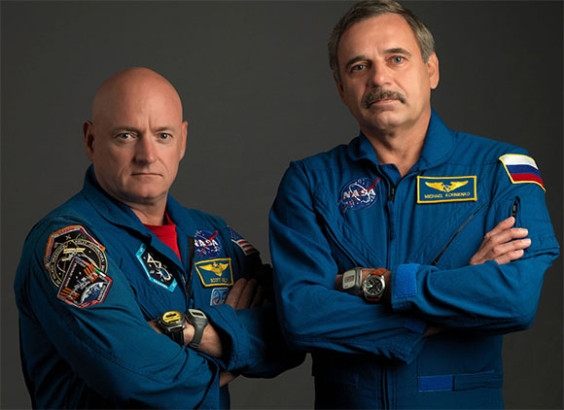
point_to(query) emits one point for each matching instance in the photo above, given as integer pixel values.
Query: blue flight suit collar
(119, 214)
(439, 143)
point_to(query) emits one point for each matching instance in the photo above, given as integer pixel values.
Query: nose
(145, 150)
(380, 74)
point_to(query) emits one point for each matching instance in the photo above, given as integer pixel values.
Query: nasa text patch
(358, 194)
(446, 189)
(215, 272)
(207, 244)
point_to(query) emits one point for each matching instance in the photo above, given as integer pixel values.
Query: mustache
(378, 94)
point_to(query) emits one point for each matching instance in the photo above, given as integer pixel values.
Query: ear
(184, 134)
(340, 88)
(88, 132)
(433, 70)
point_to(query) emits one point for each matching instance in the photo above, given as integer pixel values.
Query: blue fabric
(370, 355)
(106, 355)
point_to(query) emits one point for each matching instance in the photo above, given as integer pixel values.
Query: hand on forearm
(210, 343)
(502, 244)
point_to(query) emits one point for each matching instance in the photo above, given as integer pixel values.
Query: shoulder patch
(521, 169)
(83, 285)
(156, 271)
(446, 189)
(215, 272)
(218, 296)
(66, 244)
(246, 246)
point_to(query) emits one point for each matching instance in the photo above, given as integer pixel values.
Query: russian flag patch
(521, 169)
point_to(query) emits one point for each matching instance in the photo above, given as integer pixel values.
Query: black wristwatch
(199, 320)
(374, 285)
(173, 323)
(352, 280)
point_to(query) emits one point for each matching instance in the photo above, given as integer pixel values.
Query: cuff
(404, 285)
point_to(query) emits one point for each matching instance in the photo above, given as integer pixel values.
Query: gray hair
(372, 8)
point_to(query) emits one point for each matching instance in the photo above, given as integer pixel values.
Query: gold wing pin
(455, 185)
(439, 186)
(215, 267)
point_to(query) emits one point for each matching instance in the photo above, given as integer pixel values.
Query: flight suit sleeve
(264, 347)
(488, 297)
(312, 313)
(90, 316)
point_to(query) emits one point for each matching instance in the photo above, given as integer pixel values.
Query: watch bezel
(368, 290)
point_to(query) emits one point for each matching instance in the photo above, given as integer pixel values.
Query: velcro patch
(66, 244)
(207, 244)
(521, 169)
(446, 189)
(215, 272)
(246, 246)
(156, 271)
(83, 285)
(218, 296)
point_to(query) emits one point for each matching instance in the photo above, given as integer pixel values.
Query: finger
(503, 225)
(510, 256)
(235, 293)
(508, 235)
(247, 294)
(258, 297)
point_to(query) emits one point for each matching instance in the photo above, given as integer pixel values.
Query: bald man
(126, 298)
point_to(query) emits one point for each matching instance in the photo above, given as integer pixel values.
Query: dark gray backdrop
(258, 93)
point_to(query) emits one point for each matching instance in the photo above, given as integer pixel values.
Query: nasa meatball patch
(83, 285)
(358, 194)
(207, 244)
(64, 245)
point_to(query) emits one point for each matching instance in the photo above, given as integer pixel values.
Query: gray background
(258, 93)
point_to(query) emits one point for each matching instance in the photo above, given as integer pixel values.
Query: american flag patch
(242, 243)
(521, 169)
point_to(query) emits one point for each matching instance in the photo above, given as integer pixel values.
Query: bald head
(132, 86)
(136, 139)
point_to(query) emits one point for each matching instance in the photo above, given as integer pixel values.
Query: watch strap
(198, 319)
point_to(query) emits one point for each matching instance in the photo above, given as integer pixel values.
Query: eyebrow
(354, 60)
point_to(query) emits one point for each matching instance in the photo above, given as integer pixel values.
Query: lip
(144, 174)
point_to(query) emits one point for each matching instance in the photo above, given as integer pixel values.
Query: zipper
(391, 224)
(188, 281)
(436, 260)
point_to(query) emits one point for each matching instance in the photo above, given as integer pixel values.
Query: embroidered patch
(156, 271)
(358, 194)
(218, 296)
(67, 243)
(446, 189)
(207, 243)
(521, 169)
(215, 272)
(83, 285)
(246, 246)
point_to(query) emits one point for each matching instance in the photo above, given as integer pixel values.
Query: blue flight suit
(342, 208)
(91, 276)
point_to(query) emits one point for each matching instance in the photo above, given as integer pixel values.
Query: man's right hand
(245, 294)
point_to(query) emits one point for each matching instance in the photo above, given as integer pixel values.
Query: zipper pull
(392, 193)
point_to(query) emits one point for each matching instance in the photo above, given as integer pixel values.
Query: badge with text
(218, 296)
(207, 244)
(521, 169)
(215, 272)
(358, 194)
(446, 189)
(156, 271)
(66, 244)
(83, 285)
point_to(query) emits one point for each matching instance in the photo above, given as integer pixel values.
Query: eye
(358, 67)
(165, 136)
(125, 136)
(398, 59)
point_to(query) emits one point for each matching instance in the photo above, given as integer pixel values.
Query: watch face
(373, 286)
(172, 317)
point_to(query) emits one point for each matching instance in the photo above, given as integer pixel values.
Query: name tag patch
(215, 272)
(446, 189)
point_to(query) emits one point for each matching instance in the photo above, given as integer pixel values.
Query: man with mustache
(374, 243)
(126, 298)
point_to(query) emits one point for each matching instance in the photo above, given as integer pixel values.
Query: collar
(439, 143)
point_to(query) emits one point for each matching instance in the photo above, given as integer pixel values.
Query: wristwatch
(199, 320)
(173, 323)
(352, 280)
(373, 285)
